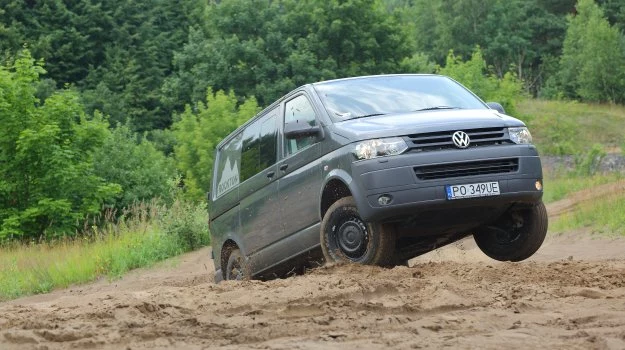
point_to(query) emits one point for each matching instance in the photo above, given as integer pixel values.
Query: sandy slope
(570, 295)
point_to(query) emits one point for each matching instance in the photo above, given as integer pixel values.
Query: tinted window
(268, 141)
(351, 98)
(228, 165)
(299, 109)
(250, 153)
(259, 150)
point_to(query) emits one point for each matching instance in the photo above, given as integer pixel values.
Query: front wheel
(237, 268)
(516, 236)
(345, 237)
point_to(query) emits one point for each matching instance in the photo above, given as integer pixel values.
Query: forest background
(108, 105)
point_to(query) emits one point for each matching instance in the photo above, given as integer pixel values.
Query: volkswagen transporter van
(373, 170)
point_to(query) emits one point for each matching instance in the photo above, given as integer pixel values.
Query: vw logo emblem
(461, 139)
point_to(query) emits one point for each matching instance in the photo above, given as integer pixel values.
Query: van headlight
(370, 149)
(520, 135)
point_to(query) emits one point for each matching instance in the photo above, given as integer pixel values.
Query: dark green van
(373, 170)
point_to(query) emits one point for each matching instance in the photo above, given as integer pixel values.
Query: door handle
(284, 166)
(271, 174)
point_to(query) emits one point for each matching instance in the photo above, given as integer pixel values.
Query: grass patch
(553, 122)
(559, 186)
(39, 268)
(152, 234)
(604, 215)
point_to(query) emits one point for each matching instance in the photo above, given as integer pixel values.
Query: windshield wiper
(368, 115)
(435, 108)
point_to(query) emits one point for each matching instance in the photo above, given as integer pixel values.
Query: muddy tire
(345, 237)
(516, 236)
(237, 268)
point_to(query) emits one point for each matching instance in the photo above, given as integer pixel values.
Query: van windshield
(379, 95)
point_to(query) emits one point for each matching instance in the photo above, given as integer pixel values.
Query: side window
(250, 153)
(268, 142)
(259, 146)
(299, 109)
(228, 165)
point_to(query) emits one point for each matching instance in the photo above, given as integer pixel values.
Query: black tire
(237, 268)
(516, 236)
(345, 237)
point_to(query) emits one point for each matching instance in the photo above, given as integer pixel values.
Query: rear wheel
(237, 268)
(345, 237)
(516, 236)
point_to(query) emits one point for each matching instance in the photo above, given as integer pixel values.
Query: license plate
(482, 189)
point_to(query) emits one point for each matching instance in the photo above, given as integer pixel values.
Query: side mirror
(298, 129)
(496, 106)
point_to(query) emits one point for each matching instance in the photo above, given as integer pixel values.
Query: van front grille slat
(482, 167)
(441, 140)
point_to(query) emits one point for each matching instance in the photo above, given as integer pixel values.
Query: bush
(186, 220)
(142, 171)
(588, 162)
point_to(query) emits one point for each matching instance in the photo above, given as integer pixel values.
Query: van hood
(421, 122)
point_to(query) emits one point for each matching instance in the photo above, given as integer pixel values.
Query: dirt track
(570, 295)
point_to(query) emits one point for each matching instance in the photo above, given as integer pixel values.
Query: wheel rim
(352, 237)
(512, 232)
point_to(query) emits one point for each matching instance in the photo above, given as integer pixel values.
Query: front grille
(433, 141)
(482, 167)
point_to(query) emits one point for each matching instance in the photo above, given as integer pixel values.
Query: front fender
(343, 176)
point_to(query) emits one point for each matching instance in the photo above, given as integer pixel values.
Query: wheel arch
(338, 184)
(226, 248)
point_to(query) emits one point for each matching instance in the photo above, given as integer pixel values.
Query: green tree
(417, 63)
(265, 48)
(198, 130)
(460, 25)
(244, 46)
(117, 51)
(335, 35)
(523, 36)
(614, 11)
(593, 57)
(47, 182)
(142, 171)
(68, 34)
(137, 58)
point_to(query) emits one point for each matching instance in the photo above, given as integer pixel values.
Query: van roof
(375, 76)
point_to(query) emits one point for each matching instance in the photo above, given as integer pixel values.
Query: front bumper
(396, 177)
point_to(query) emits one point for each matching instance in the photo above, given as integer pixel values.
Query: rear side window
(228, 165)
(299, 109)
(268, 142)
(251, 151)
(259, 146)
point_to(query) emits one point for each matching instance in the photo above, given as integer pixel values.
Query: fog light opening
(385, 199)
(539, 185)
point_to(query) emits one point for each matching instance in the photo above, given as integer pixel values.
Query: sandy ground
(570, 295)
